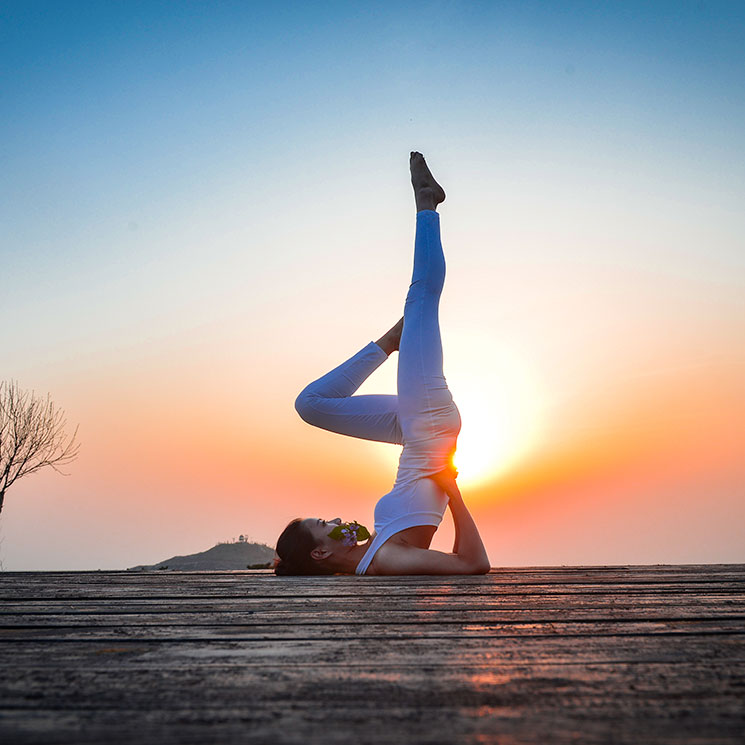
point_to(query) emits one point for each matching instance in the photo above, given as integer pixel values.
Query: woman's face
(320, 529)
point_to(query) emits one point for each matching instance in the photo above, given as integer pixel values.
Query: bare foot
(391, 339)
(427, 192)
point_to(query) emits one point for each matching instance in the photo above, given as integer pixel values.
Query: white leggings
(423, 416)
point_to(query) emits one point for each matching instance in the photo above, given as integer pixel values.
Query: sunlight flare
(500, 403)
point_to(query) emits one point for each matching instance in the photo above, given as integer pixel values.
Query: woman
(422, 417)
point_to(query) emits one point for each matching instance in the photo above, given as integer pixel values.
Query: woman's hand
(446, 481)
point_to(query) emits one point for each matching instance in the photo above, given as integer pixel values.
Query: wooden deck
(641, 655)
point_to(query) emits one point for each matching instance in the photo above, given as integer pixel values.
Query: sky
(206, 205)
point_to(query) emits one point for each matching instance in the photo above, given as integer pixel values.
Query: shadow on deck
(652, 654)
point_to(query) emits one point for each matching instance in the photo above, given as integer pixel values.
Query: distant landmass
(225, 556)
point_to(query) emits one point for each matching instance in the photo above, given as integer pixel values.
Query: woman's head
(305, 548)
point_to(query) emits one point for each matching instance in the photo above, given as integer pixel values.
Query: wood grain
(526, 655)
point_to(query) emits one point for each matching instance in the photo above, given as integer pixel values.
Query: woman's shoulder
(396, 557)
(384, 559)
(417, 536)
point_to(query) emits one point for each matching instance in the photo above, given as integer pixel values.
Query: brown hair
(293, 548)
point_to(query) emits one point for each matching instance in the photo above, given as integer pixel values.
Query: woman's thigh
(368, 417)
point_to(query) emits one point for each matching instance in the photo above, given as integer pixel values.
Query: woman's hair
(293, 548)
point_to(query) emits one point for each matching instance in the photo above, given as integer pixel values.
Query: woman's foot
(391, 339)
(427, 192)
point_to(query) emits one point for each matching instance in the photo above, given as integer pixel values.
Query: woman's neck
(348, 561)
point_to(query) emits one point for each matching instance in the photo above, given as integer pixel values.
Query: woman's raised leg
(429, 418)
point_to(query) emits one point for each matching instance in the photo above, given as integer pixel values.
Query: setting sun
(500, 402)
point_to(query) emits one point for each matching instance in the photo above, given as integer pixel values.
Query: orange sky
(630, 468)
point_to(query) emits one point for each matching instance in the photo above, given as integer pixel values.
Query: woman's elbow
(482, 566)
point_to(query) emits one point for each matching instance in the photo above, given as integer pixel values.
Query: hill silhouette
(223, 556)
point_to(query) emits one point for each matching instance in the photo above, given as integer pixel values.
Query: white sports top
(411, 502)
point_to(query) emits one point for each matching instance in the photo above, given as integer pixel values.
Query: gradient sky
(205, 205)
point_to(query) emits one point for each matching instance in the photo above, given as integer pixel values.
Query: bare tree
(32, 436)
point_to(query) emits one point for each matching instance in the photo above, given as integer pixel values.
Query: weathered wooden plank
(253, 578)
(104, 688)
(528, 703)
(256, 579)
(467, 650)
(337, 615)
(176, 591)
(591, 596)
(347, 630)
(228, 606)
(371, 616)
(709, 573)
(299, 723)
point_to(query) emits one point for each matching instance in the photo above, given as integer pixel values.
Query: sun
(501, 405)
(498, 428)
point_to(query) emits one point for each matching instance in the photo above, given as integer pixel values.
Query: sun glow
(501, 407)
(500, 404)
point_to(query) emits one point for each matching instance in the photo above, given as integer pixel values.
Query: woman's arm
(469, 555)
(468, 543)
(448, 485)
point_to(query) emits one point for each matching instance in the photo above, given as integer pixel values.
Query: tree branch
(32, 435)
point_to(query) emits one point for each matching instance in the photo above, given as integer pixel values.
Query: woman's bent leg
(328, 402)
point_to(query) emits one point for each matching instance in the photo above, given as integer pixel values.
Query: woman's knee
(304, 406)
